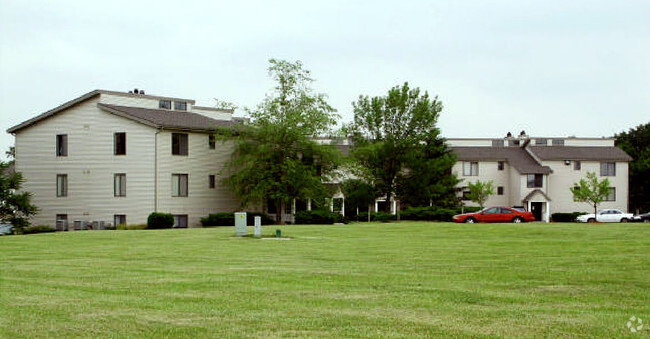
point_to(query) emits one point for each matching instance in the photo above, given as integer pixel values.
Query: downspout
(155, 171)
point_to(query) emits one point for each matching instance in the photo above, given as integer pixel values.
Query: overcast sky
(552, 68)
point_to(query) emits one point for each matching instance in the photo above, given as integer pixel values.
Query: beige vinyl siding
(90, 166)
(134, 101)
(487, 170)
(564, 176)
(199, 164)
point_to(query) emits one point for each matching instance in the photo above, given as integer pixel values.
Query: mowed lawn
(409, 279)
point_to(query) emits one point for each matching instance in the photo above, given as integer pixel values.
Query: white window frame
(470, 168)
(119, 184)
(180, 184)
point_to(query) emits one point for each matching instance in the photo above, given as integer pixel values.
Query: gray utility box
(258, 227)
(240, 224)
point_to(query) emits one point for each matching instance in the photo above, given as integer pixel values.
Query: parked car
(495, 214)
(6, 229)
(645, 217)
(607, 215)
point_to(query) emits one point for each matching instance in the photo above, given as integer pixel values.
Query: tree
(591, 191)
(429, 178)
(636, 143)
(397, 140)
(15, 206)
(275, 157)
(479, 192)
(358, 195)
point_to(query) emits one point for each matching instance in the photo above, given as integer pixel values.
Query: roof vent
(522, 133)
(142, 91)
(509, 135)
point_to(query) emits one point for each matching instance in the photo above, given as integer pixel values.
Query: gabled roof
(536, 191)
(53, 111)
(586, 153)
(81, 99)
(516, 157)
(160, 118)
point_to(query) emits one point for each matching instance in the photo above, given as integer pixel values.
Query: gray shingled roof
(586, 153)
(516, 157)
(160, 118)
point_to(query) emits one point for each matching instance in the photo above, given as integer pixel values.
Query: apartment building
(115, 157)
(538, 172)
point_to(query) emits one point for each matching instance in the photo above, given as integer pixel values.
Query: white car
(608, 215)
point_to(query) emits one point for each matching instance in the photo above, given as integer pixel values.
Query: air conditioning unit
(77, 225)
(94, 225)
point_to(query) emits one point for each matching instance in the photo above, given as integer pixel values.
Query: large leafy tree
(591, 190)
(15, 206)
(397, 140)
(636, 143)
(275, 157)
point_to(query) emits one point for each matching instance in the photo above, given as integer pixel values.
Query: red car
(495, 214)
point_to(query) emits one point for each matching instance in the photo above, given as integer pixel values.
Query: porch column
(547, 213)
(309, 204)
(343, 207)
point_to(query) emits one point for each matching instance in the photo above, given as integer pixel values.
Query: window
(505, 210)
(119, 184)
(558, 142)
(543, 142)
(513, 143)
(179, 143)
(166, 104)
(500, 190)
(179, 185)
(180, 105)
(119, 143)
(608, 169)
(497, 143)
(212, 179)
(493, 210)
(466, 193)
(577, 165)
(500, 165)
(535, 180)
(180, 221)
(470, 168)
(61, 145)
(612, 194)
(211, 141)
(61, 185)
(119, 219)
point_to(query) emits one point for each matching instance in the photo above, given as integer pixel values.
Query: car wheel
(517, 220)
(624, 220)
(591, 220)
(470, 221)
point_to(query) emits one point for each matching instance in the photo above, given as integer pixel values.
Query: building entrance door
(536, 209)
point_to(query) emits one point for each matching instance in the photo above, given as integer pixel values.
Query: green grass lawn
(409, 279)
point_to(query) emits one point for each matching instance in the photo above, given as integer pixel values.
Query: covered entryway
(539, 204)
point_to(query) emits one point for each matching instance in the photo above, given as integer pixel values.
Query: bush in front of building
(565, 217)
(160, 220)
(38, 229)
(219, 219)
(317, 217)
(429, 213)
